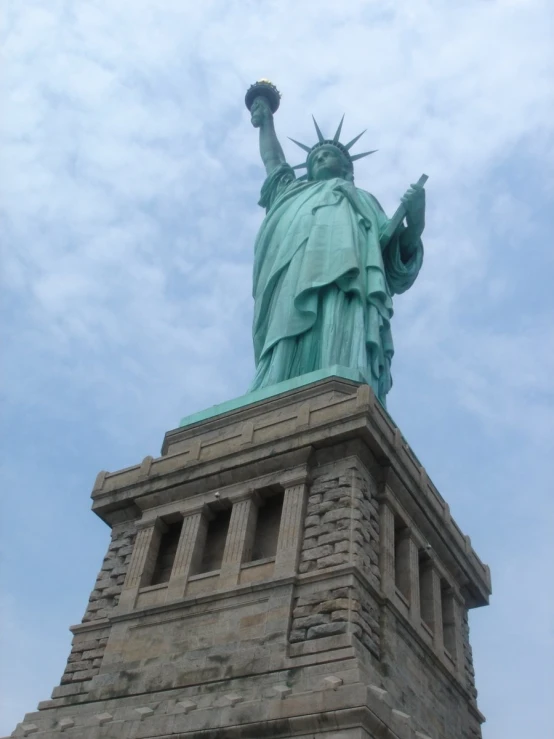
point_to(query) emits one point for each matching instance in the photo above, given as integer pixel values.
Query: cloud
(130, 178)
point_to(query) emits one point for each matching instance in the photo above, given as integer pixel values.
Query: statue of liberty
(327, 260)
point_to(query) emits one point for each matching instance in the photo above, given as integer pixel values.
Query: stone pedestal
(284, 569)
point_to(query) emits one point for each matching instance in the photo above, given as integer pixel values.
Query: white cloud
(130, 177)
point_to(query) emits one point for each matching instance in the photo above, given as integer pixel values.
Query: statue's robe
(322, 287)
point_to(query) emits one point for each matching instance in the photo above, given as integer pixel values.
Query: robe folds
(322, 287)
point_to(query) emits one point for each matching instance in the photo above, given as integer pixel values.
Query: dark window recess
(166, 553)
(267, 528)
(448, 619)
(216, 536)
(402, 557)
(426, 591)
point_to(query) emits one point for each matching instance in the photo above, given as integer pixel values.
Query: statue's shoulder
(276, 183)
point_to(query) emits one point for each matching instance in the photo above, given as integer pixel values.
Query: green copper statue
(327, 260)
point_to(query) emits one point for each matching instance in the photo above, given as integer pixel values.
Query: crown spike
(360, 156)
(336, 137)
(302, 146)
(300, 166)
(319, 134)
(350, 144)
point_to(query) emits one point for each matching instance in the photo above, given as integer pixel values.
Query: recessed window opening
(166, 553)
(402, 557)
(426, 590)
(268, 522)
(448, 620)
(216, 536)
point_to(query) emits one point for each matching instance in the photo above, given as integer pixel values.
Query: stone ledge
(203, 599)
(272, 393)
(97, 625)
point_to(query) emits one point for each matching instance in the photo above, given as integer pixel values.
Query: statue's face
(326, 163)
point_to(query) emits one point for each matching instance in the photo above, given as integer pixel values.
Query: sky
(130, 176)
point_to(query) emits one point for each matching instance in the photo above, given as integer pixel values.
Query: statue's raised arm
(262, 99)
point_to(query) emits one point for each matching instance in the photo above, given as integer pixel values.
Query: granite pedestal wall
(282, 570)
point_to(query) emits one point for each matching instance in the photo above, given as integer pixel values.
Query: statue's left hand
(414, 202)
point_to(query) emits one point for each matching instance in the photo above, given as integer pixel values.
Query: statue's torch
(266, 89)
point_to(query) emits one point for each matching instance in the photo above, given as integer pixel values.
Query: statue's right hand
(260, 112)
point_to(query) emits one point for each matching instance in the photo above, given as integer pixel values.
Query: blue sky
(129, 190)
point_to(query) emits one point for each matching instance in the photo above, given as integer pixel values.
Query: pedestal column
(290, 529)
(431, 607)
(452, 628)
(142, 562)
(386, 543)
(407, 569)
(239, 540)
(189, 551)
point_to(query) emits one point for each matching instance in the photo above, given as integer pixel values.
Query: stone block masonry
(342, 520)
(109, 583)
(88, 647)
(341, 528)
(325, 613)
(344, 610)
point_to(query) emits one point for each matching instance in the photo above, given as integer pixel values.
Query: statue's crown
(322, 141)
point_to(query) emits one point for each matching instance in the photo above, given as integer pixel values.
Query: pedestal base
(284, 569)
(272, 391)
